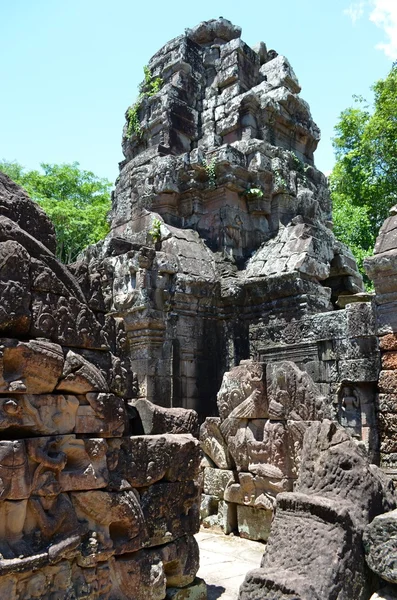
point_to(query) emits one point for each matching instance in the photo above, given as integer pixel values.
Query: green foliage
(155, 232)
(134, 124)
(149, 86)
(76, 201)
(254, 192)
(279, 181)
(210, 169)
(297, 164)
(364, 179)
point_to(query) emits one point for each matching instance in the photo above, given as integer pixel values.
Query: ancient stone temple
(242, 261)
(220, 298)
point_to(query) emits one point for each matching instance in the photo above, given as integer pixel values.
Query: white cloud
(355, 11)
(384, 15)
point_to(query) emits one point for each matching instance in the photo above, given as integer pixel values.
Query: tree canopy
(76, 201)
(364, 179)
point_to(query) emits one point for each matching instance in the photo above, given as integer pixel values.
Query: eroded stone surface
(81, 497)
(337, 494)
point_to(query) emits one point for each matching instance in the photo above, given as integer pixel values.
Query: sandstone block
(156, 419)
(146, 459)
(254, 523)
(214, 444)
(32, 367)
(389, 361)
(80, 376)
(139, 576)
(216, 481)
(380, 543)
(104, 415)
(388, 382)
(116, 518)
(388, 342)
(170, 510)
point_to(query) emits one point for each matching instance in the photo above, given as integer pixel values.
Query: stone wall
(87, 509)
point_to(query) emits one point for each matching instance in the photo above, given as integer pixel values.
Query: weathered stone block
(380, 543)
(388, 382)
(170, 510)
(253, 523)
(155, 419)
(145, 459)
(388, 342)
(214, 444)
(216, 481)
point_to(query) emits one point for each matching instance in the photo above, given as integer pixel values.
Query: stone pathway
(224, 561)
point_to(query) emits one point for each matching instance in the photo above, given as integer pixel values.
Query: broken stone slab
(380, 543)
(242, 393)
(155, 419)
(278, 72)
(334, 465)
(292, 393)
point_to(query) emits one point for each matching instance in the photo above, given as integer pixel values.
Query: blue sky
(70, 68)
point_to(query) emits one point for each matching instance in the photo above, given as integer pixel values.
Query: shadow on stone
(214, 592)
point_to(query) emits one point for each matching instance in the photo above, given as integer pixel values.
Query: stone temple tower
(221, 242)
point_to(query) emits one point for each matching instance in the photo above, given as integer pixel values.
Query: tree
(76, 201)
(364, 180)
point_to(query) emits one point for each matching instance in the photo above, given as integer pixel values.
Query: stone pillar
(382, 269)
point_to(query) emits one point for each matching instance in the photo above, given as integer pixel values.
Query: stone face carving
(337, 494)
(77, 489)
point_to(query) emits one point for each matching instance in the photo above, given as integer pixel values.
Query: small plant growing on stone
(210, 169)
(253, 192)
(149, 86)
(279, 181)
(134, 124)
(297, 164)
(155, 232)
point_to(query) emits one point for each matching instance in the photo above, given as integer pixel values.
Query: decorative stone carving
(69, 499)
